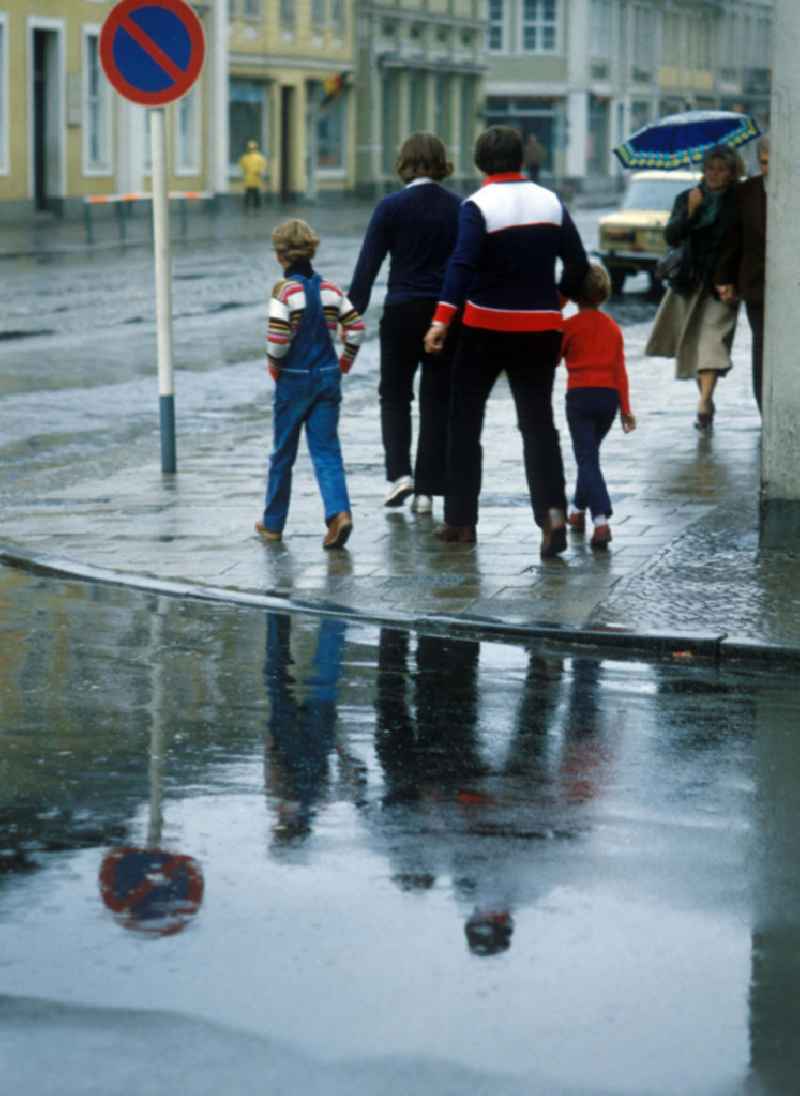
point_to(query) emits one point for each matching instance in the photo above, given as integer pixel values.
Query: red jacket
(594, 354)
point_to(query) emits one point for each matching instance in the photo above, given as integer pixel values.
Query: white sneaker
(398, 492)
(422, 504)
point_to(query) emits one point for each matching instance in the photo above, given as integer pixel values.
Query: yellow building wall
(69, 19)
(259, 47)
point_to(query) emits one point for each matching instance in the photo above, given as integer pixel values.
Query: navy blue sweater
(417, 227)
(502, 271)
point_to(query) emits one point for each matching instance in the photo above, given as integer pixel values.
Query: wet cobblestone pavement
(685, 556)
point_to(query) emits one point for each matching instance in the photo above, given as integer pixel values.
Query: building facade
(420, 65)
(291, 89)
(581, 75)
(66, 134)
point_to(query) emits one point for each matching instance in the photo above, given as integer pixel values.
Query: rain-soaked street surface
(390, 862)
(77, 338)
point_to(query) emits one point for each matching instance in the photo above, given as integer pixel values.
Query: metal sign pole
(163, 262)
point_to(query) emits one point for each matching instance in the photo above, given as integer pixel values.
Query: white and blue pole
(163, 262)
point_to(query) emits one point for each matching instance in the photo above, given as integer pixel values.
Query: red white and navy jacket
(503, 269)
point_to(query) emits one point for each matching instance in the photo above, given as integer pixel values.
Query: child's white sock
(599, 519)
(573, 509)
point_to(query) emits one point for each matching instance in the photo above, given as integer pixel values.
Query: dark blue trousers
(590, 415)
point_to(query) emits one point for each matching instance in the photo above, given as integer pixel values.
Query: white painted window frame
(5, 165)
(195, 96)
(559, 32)
(92, 30)
(34, 23)
(503, 24)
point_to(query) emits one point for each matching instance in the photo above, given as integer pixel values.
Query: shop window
(331, 136)
(247, 118)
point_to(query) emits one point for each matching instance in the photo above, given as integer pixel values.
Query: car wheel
(617, 281)
(657, 287)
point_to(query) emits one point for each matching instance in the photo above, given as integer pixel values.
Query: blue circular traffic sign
(152, 51)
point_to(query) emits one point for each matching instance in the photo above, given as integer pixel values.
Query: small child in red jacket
(597, 387)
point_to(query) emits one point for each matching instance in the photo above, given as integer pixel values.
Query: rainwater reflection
(425, 863)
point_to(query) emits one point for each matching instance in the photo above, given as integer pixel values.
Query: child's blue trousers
(590, 415)
(309, 397)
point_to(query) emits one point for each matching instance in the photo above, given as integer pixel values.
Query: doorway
(47, 116)
(287, 146)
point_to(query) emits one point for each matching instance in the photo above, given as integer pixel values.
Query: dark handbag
(676, 270)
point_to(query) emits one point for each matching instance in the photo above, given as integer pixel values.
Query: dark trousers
(590, 414)
(529, 360)
(755, 316)
(402, 332)
(252, 197)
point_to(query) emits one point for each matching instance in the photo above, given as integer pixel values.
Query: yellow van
(632, 239)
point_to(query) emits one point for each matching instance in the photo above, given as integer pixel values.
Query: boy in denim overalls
(304, 313)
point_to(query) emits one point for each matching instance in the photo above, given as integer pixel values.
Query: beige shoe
(267, 534)
(339, 529)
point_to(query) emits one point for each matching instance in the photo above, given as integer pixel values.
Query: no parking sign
(152, 52)
(150, 890)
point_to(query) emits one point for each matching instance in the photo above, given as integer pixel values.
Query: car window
(653, 193)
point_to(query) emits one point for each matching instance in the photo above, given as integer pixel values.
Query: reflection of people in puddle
(463, 801)
(301, 687)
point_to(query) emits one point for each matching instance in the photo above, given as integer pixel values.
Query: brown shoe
(554, 539)
(577, 521)
(339, 529)
(601, 538)
(456, 534)
(267, 534)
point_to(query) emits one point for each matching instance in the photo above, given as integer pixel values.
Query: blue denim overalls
(308, 390)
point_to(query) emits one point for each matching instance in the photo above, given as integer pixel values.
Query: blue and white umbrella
(681, 140)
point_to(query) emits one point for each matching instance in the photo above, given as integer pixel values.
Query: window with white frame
(644, 40)
(187, 133)
(318, 16)
(539, 26)
(96, 109)
(245, 9)
(497, 25)
(287, 16)
(331, 130)
(338, 18)
(601, 28)
(3, 96)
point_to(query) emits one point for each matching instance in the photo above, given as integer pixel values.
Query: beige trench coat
(697, 331)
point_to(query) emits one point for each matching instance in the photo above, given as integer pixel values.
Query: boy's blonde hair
(295, 240)
(596, 287)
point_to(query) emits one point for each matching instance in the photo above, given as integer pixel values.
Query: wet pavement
(246, 851)
(83, 490)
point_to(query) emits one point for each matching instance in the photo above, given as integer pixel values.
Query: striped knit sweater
(287, 304)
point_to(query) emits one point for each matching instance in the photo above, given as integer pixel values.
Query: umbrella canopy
(681, 140)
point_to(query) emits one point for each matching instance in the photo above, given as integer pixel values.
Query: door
(47, 108)
(287, 149)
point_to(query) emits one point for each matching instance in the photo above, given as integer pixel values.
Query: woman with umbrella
(692, 324)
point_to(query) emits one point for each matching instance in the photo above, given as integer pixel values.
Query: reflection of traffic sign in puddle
(150, 890)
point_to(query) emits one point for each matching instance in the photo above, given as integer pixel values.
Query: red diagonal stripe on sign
(152, 49)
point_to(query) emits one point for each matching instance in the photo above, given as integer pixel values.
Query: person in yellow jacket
(253, 166)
